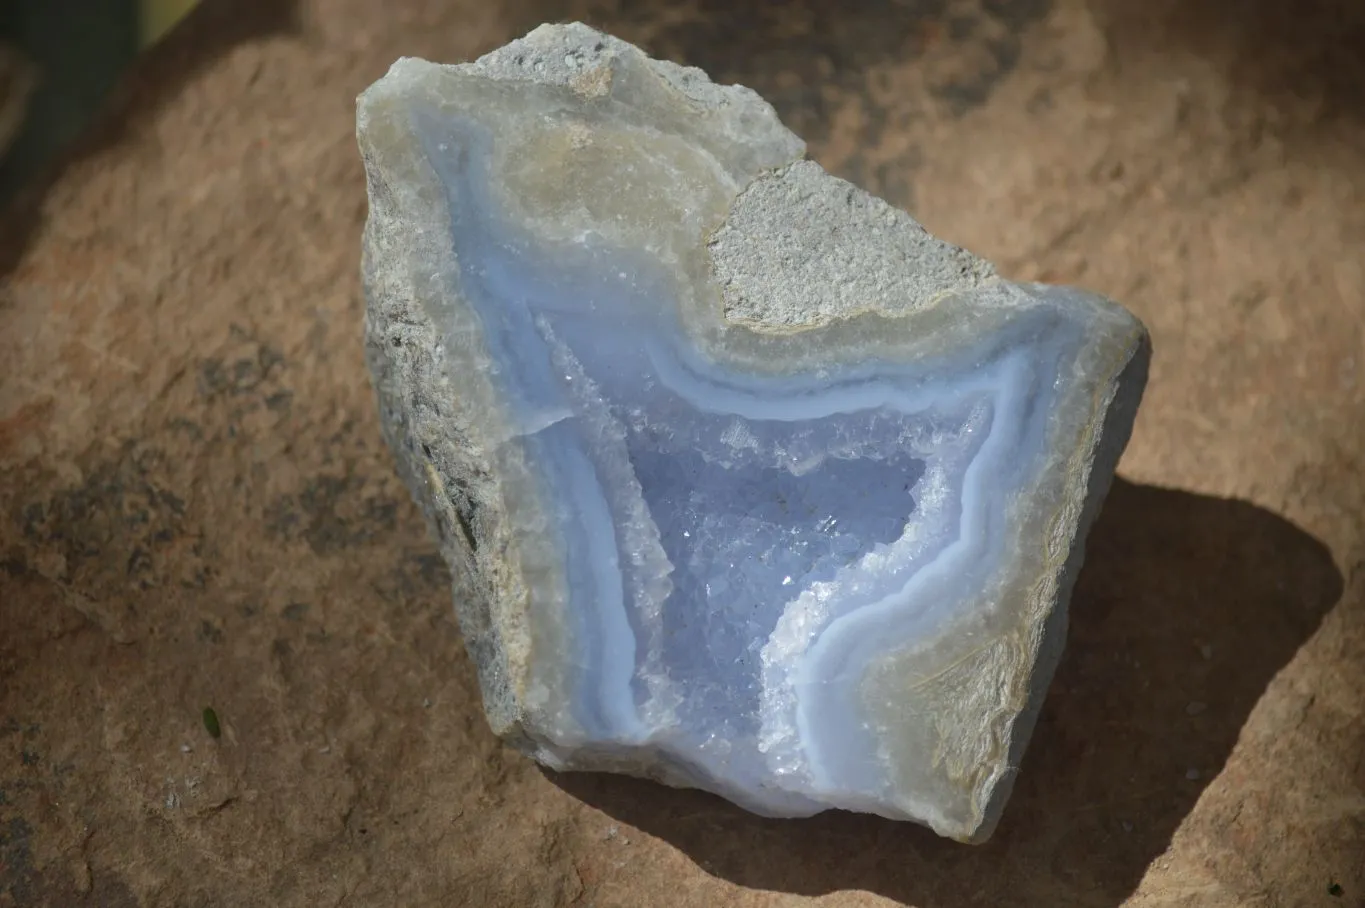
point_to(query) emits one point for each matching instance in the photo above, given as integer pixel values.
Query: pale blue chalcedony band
(759, 488)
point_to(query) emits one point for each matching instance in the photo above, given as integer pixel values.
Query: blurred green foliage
(71, 53)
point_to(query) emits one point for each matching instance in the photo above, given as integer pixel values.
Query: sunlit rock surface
(748, 482)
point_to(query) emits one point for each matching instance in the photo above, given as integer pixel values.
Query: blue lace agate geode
(748, 482)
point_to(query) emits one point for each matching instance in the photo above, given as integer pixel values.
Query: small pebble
(426, 703)
(1195, 708)
(1206, 651)
(185, 748)
(1127, 827)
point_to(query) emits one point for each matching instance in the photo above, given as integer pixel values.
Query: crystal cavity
(748, 482)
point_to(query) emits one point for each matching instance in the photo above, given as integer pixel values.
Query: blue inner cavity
(743, 541)
(759, 487)
(749, 511)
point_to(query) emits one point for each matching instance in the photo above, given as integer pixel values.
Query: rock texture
(759, 487)
(197, 507)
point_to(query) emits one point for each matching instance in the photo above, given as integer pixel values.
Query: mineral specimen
(748, 483)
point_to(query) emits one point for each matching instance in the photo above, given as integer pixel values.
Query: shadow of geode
(1186, 608)
(206, 33)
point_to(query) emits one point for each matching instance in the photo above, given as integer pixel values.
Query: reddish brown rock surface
(196, 508)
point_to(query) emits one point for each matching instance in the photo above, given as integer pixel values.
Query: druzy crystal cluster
(748, 482)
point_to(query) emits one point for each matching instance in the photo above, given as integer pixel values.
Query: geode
(748, 483)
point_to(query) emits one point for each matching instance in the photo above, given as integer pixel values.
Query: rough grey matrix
(748, 483)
